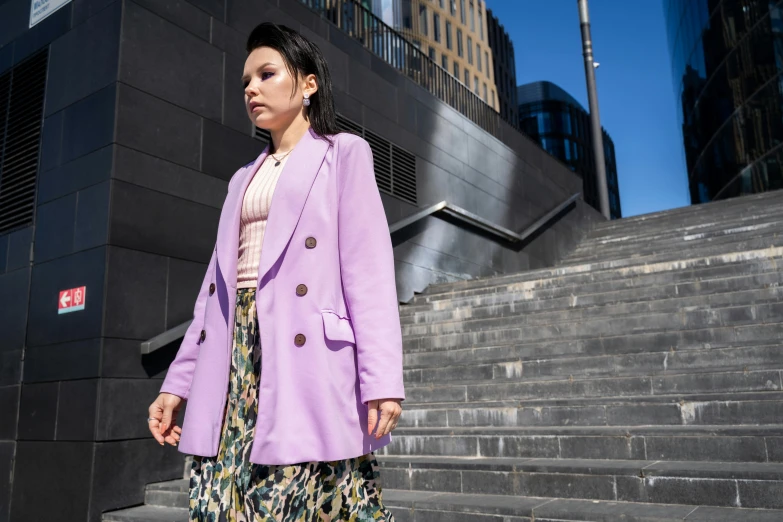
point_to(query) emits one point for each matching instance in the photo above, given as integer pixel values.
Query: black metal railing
(361, 24)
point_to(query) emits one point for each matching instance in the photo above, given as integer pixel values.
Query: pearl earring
(306, 101)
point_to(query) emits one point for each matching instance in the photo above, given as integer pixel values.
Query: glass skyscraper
(559, 123)
(727, 59)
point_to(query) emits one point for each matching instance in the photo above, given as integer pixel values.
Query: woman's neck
(285, 140)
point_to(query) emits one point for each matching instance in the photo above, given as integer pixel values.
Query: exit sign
(71, 300)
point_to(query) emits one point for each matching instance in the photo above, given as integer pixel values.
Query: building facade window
(472, 17)
(727, 68)
(485, 93)
(478, 57)
(456, 69)
(481, 25)
(444, 61)
(560, 124)
(486, 61)
(470, 50)
(440, 3)
(436, 27)
(423, 20)
(475, 85)
(432, 53)
(462, 11)
(467, 78)
(459, 42)
(453, 7)
(449, 43)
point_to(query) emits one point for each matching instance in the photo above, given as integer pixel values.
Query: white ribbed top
(252, 222)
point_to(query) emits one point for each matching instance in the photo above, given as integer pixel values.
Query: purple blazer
(327, 230)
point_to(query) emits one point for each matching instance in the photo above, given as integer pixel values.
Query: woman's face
(268, 90)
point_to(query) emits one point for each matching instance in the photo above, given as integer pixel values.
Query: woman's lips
(255, 108)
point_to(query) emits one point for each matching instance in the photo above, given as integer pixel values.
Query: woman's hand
(164, 414)
(390, 413)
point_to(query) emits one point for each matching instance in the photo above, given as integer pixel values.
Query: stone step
(590, 289)
(683, 409)
(173, 493)
(741, 223)
(147, 514)
(745, 444)
(706, 338)
(703, 382)
(483, 333)
(724, 210)
(658, 297)
(665, 362)
(432, 506)
(600, 235)
(689, 216)
(723, 484)
(601, 271)
(645, 244)
(765, 298)
(673, 252)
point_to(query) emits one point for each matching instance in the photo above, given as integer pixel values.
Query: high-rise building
(727, 59)
(453, 33)
(505, 71)
(560, 124)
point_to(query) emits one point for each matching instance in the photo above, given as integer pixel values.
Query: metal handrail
(444, 208)
(469, 218)
(161, 340)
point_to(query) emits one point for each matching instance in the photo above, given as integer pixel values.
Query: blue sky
(635, 93)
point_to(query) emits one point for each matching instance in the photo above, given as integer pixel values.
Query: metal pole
(595, 119)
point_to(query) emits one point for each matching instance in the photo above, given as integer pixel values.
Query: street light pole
(595, 119)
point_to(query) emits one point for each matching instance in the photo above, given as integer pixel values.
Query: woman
(281, 405)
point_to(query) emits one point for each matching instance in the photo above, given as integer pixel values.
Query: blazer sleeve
(367, 271)
(180, 374)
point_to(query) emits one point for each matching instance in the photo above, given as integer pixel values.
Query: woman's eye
(269, 73)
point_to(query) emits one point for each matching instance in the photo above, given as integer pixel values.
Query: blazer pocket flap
(337, 328)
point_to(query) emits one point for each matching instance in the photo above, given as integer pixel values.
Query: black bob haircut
(301, 56)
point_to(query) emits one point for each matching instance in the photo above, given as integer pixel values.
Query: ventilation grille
(21, 115)
(395, 168)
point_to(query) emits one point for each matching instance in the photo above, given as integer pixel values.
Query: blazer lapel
(289, 197)
(288, 200)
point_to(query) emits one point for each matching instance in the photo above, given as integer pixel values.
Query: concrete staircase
(641, 379)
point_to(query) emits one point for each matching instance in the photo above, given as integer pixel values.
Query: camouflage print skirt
(229, 488)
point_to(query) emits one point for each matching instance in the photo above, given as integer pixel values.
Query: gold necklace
(278, 159)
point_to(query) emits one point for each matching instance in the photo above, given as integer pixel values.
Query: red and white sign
(71, 300)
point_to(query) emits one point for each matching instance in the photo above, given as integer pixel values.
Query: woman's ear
(310, 84)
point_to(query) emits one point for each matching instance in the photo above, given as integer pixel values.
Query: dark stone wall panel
(75, 175)
(38, 411)
(136, 216)
(7, 452)
(138, 462)
(84, 60)
(158, 128)
(71, 461)
(63, 361)
(135, 294)
(170, 63)
(14, 287)
(166, 177)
